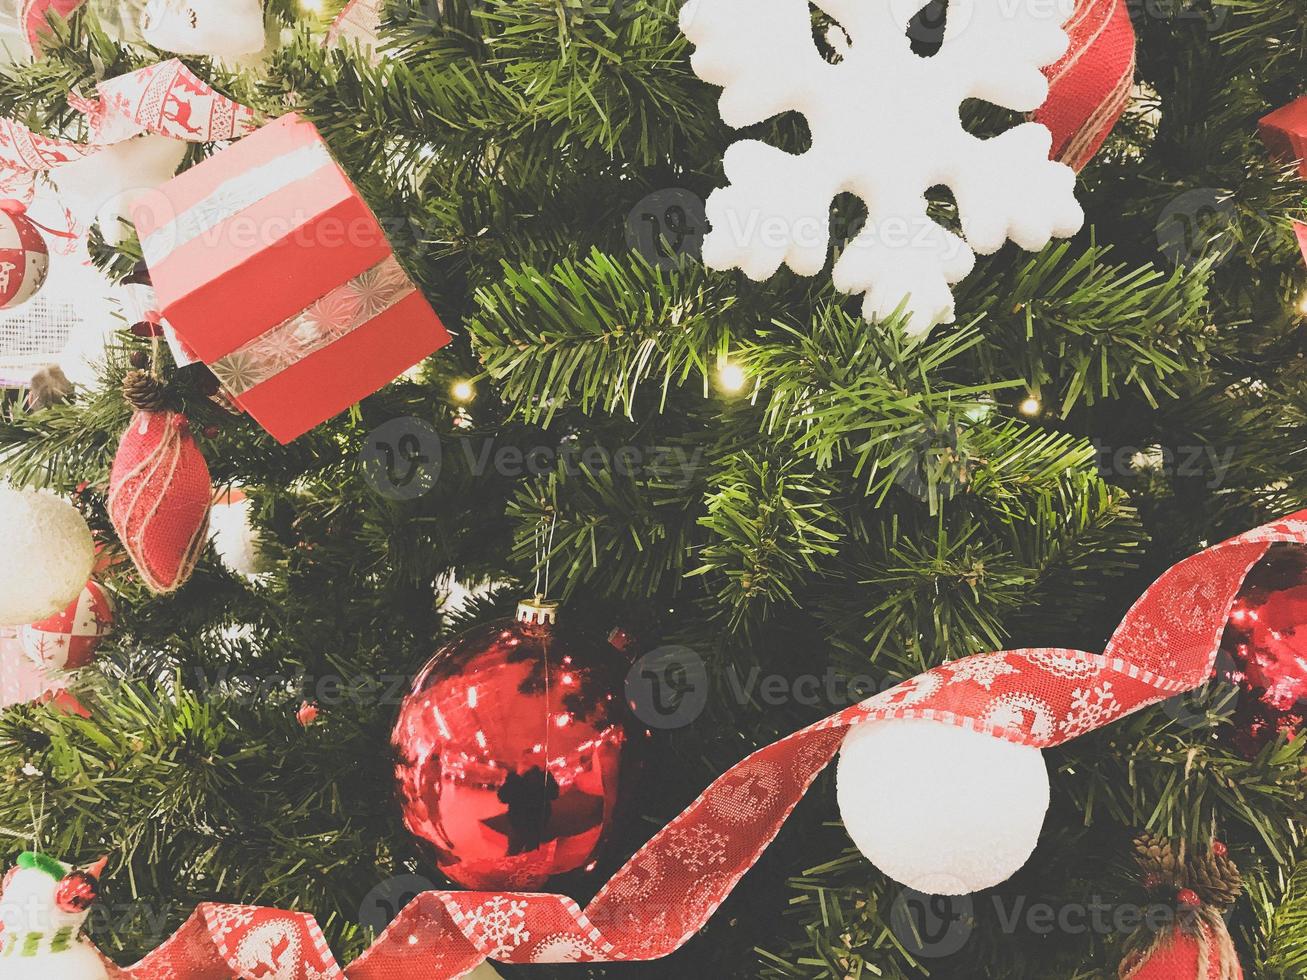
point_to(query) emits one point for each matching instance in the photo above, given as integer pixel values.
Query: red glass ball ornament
(1187, 896)
(513, 751)
(1265, 649)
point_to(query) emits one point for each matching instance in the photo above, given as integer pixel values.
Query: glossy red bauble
(513, 751)
(1265, 649)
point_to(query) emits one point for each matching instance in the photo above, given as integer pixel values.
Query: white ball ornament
(235, 538)
(938, 808)
(46, 555)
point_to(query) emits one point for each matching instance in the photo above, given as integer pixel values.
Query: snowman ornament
(43, 906)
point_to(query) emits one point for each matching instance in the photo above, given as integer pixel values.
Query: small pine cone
(144, 392)
(1159, 858)
(1215, 878)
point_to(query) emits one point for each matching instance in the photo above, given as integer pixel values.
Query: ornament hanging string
(544, 553)
(665, 894)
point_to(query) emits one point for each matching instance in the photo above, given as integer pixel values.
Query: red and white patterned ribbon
(167, 99)
(666, 893)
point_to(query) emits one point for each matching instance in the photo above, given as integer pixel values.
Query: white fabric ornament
(885, 127)
(46, 555)
(103, 187)
(214, 28)
(939, 808)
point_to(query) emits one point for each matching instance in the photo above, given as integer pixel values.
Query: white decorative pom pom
(46, 555)
(939, 808)
(235, 538)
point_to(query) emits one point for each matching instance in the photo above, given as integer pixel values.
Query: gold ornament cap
(537, 612)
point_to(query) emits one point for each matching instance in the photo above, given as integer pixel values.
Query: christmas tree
(783, 505)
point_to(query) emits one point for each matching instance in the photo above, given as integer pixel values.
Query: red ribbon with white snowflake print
(1166, 645)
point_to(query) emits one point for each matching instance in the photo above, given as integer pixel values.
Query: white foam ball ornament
(235, 538)
(939, 808)
(47, 555)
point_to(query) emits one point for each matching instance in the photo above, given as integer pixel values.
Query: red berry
(1219, 849)
(307, 714)
(145, 328)
(211, 432)
(1187, 896)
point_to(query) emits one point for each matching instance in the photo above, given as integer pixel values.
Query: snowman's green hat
(31, 860)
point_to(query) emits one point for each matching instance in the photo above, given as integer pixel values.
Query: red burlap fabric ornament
(1089, 88)
(159, 497)
(1196, 948)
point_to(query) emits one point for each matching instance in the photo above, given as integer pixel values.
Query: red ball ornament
(513, 751)
(1219, 849)
(24, 256)
(1187, 896)
(1265, 649)
(69, 640)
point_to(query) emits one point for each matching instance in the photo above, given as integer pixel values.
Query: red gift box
(273, 270)
(1285, 133)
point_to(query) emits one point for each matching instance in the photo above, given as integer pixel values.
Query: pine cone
(144, 392)
(1160, 858)
(1215, 878)
(1171, 867)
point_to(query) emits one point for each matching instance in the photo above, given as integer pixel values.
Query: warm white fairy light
(1030, 406)
(731, 377)
(311, 6)
(463, 391)
(1302, 305)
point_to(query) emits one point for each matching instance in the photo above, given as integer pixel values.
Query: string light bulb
(1302, 305)
(463, 391)
(1030, 406)
(731, 377)
(311, 6)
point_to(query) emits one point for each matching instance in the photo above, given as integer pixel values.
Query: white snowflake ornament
(885, 127)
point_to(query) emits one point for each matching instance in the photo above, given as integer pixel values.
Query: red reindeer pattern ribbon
(666, 893)
(167, 99)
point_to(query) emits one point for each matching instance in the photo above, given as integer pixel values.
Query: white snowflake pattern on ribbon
(697, 846)
(1091, 708)
(499, 925)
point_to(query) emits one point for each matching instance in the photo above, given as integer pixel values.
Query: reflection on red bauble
(513, 751)
(1265, 649)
